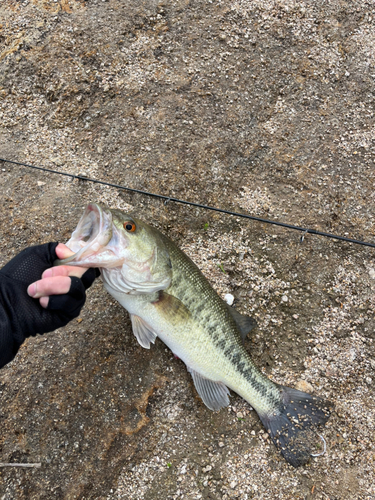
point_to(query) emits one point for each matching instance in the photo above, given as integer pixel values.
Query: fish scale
(209, 309)
(168, 297)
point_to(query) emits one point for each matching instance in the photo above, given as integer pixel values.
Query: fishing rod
(198, 205)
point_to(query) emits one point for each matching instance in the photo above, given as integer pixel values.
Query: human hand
(62, 290)
(55, 280)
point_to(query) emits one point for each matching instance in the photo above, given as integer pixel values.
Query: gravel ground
(261, 107)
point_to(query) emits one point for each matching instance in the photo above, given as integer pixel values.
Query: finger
(62, 251)
(44, 301)
(63, 271)
(71, 303)
(49, 286)
(89, 277)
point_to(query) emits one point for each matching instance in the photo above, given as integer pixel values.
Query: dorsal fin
(244, 323)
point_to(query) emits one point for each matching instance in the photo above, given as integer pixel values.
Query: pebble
(229, 299)
(304, 386)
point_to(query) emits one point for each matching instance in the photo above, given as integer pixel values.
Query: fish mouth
(91, 240)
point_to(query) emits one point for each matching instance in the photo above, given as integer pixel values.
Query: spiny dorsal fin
(214, 394)
(244, 323)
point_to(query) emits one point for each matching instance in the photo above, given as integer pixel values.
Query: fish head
(131, 254)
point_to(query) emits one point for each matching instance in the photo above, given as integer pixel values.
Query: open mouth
(90, 239)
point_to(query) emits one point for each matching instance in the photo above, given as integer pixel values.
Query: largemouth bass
(168, 297)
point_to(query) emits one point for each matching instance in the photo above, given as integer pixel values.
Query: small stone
(304, 386)
(57, 161)
(229, 299)
(221, 444)
(40, 183)
(284, 298)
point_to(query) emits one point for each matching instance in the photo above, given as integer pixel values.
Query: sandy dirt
(264, 107)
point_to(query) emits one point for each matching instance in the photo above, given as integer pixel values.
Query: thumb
(62, 251)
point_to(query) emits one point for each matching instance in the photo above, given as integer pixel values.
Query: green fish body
(168, 297)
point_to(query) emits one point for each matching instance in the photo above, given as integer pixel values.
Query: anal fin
(142, 331)
(214, 394)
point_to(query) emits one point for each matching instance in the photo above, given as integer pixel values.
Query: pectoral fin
(214, 394)
(171, 308)
(142, 331)
(244, 323)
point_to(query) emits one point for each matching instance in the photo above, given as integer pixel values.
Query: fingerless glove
(21, 316)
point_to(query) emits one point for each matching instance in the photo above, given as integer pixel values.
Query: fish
(168, 297)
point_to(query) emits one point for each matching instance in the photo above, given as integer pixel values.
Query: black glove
(22, 316)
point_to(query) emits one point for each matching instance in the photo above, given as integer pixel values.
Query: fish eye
(129, 226)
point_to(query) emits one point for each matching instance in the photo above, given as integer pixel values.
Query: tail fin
(292, 427)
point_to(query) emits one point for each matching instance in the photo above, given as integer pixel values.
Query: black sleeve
(21, 316)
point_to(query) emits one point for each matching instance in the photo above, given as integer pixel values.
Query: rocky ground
(264, 107)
